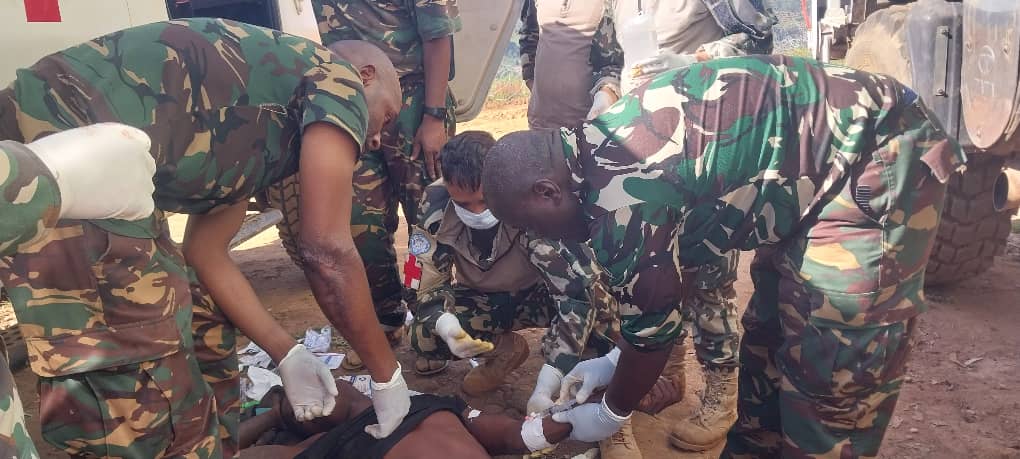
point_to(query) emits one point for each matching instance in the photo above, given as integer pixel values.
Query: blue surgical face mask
(480, 221)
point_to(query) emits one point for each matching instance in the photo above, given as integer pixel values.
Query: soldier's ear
(368, 74)
(546, 189)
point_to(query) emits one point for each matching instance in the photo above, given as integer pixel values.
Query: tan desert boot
(675, 366)
(622, 445)
(511, 350)
(707, 427)
(352, 361)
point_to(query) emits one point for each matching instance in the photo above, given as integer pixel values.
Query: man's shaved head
(527, 184)
(382, 85)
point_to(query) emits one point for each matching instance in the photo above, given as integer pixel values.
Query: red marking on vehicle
(42, 10)
(412, 272)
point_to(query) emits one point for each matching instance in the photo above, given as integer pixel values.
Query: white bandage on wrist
(533, 434)
(613, 355)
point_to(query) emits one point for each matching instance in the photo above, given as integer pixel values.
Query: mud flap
(991, 69)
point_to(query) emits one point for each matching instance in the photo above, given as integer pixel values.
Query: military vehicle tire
(971, 233)
(17, 350)
(284, 196)
(880, 46)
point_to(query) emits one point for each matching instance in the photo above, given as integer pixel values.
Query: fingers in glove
(567, 388)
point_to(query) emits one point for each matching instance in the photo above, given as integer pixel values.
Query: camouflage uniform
(712, 311)
(557, 38)
(134, 359)
(839, 175)
(29, 204)
(525, 282)
(388, 177)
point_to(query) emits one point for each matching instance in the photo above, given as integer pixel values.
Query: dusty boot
(511, 350)
(707, 427)
(622, 445)
(352, 361)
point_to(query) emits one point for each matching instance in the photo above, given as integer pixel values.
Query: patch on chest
(418, 244)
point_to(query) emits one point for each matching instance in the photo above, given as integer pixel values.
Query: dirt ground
(961, 399)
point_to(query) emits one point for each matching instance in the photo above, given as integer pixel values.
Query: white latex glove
(460, 343)
(590, 375)
(310, 387)
(391, 402)
(666, 60)
(591, 422)
(547, 385)
(726, 47)
(600, 103)
(103, 171)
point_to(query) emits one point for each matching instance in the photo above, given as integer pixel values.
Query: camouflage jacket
(398, 27)
(607, 46)
(567, 269)
(29, 206)
(29, 198)
(727, 154)
(224, 102)
(605, 60)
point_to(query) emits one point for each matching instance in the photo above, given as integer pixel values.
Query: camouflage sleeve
(569, 272)
(436, 18)
(528, 40)
(428, 273)
(333, 94)
(606, 54)
(30, 204)
(636, 248)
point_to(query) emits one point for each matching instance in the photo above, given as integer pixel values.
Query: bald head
(527, 184)
(382, 85)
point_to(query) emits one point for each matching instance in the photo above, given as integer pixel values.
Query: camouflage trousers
(134, 359)
(384, 180)
(577, 329)
(711, 312)
(827, 332)
(14, 440)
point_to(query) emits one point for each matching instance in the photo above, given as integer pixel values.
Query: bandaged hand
(391, 401)
(591, 422)
(460, 343)
(589, 376)
(310, 387)
(102, 171)
(666, 60)
(547, 385)
(601, 102)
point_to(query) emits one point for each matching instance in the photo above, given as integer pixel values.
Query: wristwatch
(438, 113)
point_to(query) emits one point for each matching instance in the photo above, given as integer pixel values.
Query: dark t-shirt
(349, 440)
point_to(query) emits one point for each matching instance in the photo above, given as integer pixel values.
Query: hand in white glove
(591, 422)
(310, 387)
(460, 343)
(391, 401)
(666, 60)
(547, 385)
(590, 375)
(732, 45)
(600, 103)
(103, 171)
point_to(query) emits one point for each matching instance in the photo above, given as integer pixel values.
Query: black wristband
(438, 113)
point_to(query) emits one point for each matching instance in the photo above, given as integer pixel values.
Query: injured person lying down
(435, 427)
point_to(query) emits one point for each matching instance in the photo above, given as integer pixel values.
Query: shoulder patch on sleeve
(418, 244)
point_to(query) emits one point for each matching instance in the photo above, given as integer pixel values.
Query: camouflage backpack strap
(743, 16)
